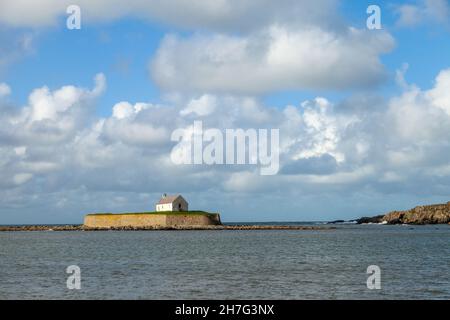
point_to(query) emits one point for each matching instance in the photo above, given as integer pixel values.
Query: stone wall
(192, 220)
(150, 220)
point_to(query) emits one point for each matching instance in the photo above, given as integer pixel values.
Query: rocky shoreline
(420, 215)
(217, 227)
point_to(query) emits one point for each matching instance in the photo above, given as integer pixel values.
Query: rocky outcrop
(376, 219)
(75, 227)
(432, 214)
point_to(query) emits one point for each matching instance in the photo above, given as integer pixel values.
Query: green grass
(195, 212)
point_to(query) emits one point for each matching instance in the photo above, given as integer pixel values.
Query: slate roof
(168, 199)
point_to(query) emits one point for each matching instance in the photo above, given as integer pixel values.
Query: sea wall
(192, 220)
(150, 220)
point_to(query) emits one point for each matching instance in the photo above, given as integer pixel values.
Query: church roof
(168, 199)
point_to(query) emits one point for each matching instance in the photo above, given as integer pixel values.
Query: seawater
(269, 264)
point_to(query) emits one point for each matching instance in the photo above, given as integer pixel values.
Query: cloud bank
(271, 60)
(222, 15)
(56, 154)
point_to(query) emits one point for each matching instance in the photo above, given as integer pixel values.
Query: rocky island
(171, 211)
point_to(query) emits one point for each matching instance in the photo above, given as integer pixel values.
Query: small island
(172, 213)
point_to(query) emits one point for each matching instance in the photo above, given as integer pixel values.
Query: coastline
(169, 228)
(419, 215)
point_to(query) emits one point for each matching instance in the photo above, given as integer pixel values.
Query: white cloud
(322, 131)
(202, 106)
(440, 94)
(123, 110)
(135, 133)
(274, 59)
(20, 151)
(5, 90)
(46, 105)
(239, 47)
(22, 178)
(51, 116)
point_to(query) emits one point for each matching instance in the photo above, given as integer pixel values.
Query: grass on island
(195, 212)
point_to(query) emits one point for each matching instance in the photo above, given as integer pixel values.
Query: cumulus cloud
(131, 124)
(49, 116)
(440, 94)
(277, 58)
(239, 47)
(202, 106)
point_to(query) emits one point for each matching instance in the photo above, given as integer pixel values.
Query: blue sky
(155, 55)
(122, 48)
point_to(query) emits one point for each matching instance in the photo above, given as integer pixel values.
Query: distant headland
(420, 215)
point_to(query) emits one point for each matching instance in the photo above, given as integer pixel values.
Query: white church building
(172, 203)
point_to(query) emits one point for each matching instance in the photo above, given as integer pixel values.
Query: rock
(133, 228)
(376, 219)
(430, 214)
(336, 222)
(41, 228)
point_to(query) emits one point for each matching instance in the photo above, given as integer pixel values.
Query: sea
(348, 262)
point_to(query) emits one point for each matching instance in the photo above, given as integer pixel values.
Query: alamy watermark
(373, 22)
(233, 147)
(374, 280)
(74, 280)
(73, 21)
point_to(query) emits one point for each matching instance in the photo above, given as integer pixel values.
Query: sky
(86, 115)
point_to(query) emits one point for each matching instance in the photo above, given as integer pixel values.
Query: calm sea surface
(414, 262)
